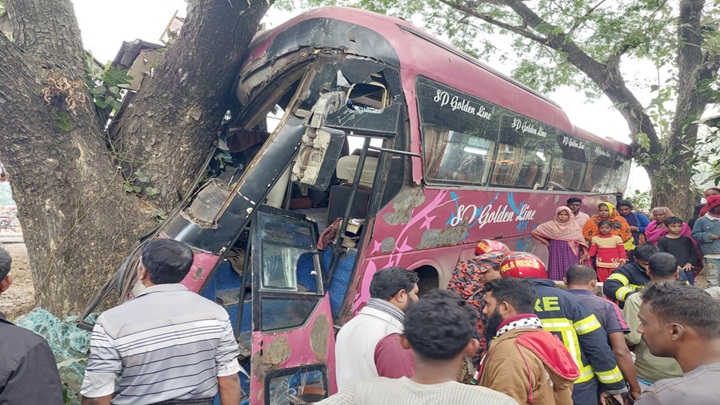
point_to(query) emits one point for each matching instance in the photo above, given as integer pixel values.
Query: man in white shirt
(369, 345)
(440, 330)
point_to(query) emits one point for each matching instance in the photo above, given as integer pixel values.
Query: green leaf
(151, 191)
(141, 177)
(136, 189)
(127, 187)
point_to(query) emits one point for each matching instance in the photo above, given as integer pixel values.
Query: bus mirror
(372, 95)
(319, 153)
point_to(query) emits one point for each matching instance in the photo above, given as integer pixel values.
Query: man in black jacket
(631, 277)
(28, 372)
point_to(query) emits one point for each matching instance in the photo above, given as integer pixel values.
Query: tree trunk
(78, 223)
(175, 117)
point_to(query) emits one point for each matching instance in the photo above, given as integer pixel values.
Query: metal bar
(394, 151)
(246, 269)
(337, 247)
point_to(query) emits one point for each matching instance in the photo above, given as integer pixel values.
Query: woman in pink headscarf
(564, 239)
(656, 229)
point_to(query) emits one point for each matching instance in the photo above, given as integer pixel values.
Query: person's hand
(583, 257)
(632, 396)
(622, 261)
(714, 237)
(634, 229)
(687, 267)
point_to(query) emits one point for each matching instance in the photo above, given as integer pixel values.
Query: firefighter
(565, 315)
(630, 278)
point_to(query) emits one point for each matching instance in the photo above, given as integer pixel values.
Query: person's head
(662, 267)
(441, 327)
(563, 214)
(165, 261)
(5, 264)
(660, 213)
(605, 227)
(674, 316)
(713, 203)
(603, 210)
(489, 265)
(624, 207)
(711, 191)
(643, 253)
(395, 285)
(674, 225)
(580, 276)
(504, 298)
(574, 205)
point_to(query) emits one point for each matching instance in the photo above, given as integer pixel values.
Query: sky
(146, 20)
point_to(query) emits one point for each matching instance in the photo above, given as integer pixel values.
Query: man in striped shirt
(167, 345)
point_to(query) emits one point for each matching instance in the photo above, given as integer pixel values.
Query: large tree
(584, 44)
(68, 174)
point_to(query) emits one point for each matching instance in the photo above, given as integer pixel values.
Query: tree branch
(582, 19)
(520, 30)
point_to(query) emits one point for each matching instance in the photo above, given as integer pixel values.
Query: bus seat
(347, 165)
(340, 194)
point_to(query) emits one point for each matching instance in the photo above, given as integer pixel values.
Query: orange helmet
(522, 265)
(487, 246)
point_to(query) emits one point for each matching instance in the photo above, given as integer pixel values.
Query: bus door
(293, 341)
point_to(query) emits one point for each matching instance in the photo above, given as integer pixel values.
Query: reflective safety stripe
(619, 277)
(586, 325)
(609, 377)
(565, 328)
(586, 374)
(622, 292)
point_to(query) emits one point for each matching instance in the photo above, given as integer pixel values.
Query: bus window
(523, 155)
(619, 176)
(599, 171)
(459, 134)
(568, 165)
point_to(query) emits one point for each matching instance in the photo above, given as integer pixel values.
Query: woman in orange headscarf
(620, 227)
(564, 239)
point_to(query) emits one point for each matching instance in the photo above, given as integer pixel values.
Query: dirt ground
(19, 299)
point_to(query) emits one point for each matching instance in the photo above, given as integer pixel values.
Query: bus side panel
(308, 345)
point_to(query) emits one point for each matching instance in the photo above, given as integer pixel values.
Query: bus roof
(421, 54)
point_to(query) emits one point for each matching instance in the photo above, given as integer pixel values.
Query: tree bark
(78, 223)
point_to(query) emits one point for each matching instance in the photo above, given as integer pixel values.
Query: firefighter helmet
(488, 246)
(523, 265)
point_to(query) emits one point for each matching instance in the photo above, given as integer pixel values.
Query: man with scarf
(369, 345)
(564, 315)
(524, 361)
(706, 232)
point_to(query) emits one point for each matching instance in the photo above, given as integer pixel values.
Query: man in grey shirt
(682, 322)
(167, 345)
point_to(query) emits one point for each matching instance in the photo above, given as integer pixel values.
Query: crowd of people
(503, 332)
(608, 240)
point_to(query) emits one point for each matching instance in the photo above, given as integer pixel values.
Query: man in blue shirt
(581, 281)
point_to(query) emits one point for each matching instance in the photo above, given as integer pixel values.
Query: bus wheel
(429, 278)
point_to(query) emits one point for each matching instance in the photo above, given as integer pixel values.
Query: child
(608, 249)
(680, 246)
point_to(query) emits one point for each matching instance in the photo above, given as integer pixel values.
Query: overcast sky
(105, 25)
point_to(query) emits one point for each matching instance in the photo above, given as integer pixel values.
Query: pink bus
(362, 143)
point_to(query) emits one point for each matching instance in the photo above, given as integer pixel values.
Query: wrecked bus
(362, 143)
